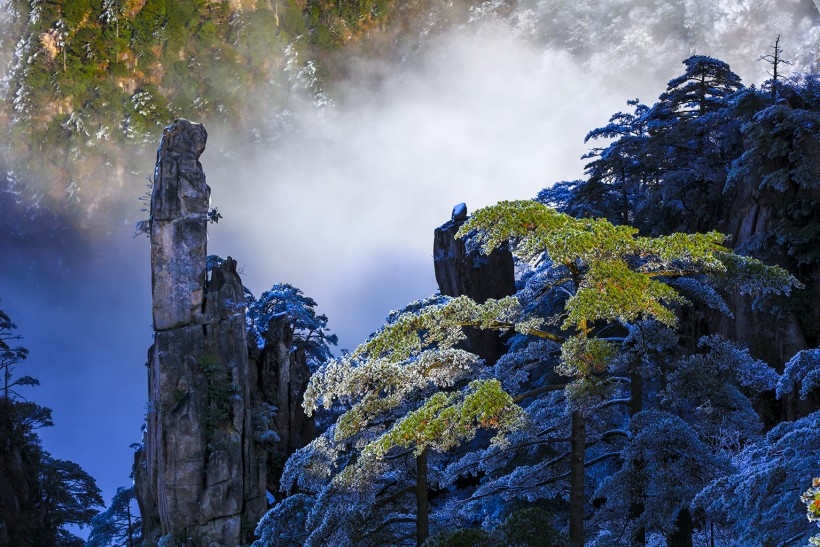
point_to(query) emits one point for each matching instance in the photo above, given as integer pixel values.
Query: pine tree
(310, 332)
(119, 525)
(690, 137)
(410, 393)
(409, 379)
(10, 357)
(613, 278)
(618, 175)
(703, 88)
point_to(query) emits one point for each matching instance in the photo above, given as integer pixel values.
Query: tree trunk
(624, 198)
(130, 526)
(576, 487)
(774, 66)
(422, 504)
(636, 507)
(682, 536)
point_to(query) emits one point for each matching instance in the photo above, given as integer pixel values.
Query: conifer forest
(209, 208)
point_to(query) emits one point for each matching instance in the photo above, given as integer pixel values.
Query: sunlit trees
(811, 498)
(612, 278)
(713, 145)
(408, 395)
(409, 390)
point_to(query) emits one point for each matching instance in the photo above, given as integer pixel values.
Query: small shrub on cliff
(811, 498)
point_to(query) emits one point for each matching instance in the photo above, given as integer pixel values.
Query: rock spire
(199, 478)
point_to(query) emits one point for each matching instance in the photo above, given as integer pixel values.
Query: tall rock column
(281, 374)
(198, 478)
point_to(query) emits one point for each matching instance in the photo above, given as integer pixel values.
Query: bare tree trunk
(130, 526)
(576, 486)
(422, 504)
(635, 394)
(636, 507)
(682, 536)
(774, 67)
(624, 198)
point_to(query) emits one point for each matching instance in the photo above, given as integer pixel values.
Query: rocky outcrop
(773, 341)
(750, 211)
(462, 272)
(199, 477)
(17, 519)
(179, 221)
(280, 376)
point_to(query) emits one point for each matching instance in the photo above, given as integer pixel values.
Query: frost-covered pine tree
(612, 279)
(618, 174)
(406, 397)
(310, 331)
(401, 391)
(770, 472)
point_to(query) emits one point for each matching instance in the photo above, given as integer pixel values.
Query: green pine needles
(410, 371)
(412, 390)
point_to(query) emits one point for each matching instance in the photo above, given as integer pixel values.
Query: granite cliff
(202, 474)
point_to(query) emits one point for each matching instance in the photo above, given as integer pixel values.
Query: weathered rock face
(748, 212)
(179, 220)
(17, 518)
(198, 476)
(459, 272)
(280, 377)
(773, 341)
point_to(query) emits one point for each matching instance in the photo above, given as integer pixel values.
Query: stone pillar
(281, 374)
(460, 272)
(179, 227)
(198, 477)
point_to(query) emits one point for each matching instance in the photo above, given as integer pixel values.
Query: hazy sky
(345, 206)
